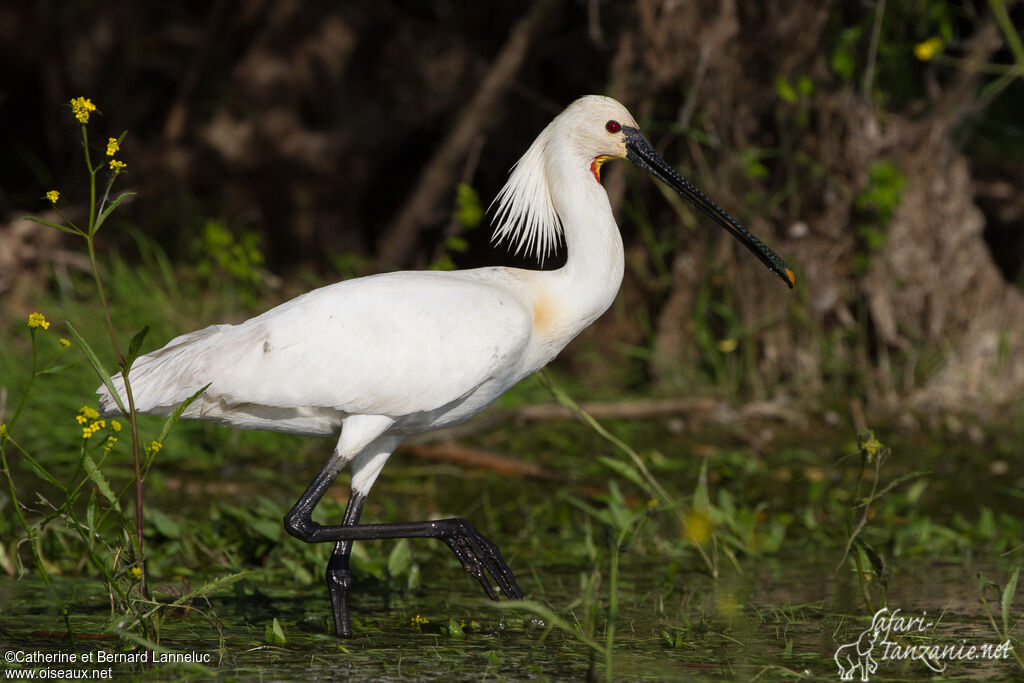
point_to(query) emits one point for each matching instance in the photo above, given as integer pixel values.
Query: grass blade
(176, 415)
(110, 208)
(40, 471)
(626, 471)
(1007, 599)
(550, 619)
(48, 224)
(53, 369)
(97, 366)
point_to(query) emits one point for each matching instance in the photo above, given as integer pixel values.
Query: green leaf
(784, 89)
(54, 369)
(211, 586)
(884, 191)
(468, 209)
(110, 207)
(176, 415)
(456, 244)
(269, 529)
(134, 345)
(206, 589)
(455, 631)
(1007, 599)
(163, 523)
(64, 228)
(844, 58)
(102, 485)
(600, 515)
(701, 496)
(97, 366)
(274, 634)
(41, 472)
(90, 513)
(443, 263)
(624, 470)
(877, 563)
(399, 558)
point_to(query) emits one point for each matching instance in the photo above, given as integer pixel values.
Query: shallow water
(781, 614)
(779, 619)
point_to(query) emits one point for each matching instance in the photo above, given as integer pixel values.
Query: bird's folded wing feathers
(392, 344)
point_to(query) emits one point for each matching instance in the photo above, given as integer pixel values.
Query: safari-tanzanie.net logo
(891, 638)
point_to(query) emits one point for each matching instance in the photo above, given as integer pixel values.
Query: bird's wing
(391, 344)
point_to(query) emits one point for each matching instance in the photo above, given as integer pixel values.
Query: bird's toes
(483, 561)
(498, 568)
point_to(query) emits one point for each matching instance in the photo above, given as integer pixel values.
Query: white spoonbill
(378, 358)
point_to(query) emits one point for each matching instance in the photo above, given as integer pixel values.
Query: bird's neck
(588, 282)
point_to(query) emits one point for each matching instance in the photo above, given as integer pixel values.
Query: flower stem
(132, 414)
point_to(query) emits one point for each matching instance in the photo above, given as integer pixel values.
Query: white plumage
(422, 349)
(382, 357)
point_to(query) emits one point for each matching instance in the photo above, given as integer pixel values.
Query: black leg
(478, 555)
(339, 579)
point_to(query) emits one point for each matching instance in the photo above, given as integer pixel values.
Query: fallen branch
(475, 457)
(643, 409)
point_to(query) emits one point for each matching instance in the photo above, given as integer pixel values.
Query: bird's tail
(156, 378)
(108, 406)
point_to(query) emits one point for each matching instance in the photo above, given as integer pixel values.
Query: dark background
(332, 137)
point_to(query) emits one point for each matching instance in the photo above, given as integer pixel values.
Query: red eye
(613, 126)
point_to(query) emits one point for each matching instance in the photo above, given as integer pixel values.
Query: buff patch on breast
(544, 313)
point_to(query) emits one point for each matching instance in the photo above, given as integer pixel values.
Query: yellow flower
(926, 50)
(64, 342)
(727, 345)
(117, 166)
(3, 429)
(81, 107)
(112, 146)
(136, 573)
(84, 415)
(115, 425)
(419, 621)
(111, 440)
(38, 320)
(698, 526)
(154, 447)
(872, 445)
(53, 196)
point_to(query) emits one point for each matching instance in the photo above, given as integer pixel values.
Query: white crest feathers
(526, 217)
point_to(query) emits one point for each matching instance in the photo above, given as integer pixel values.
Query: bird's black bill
(640, 152)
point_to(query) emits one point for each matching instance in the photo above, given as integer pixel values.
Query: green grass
(610, 571)
(640, 549)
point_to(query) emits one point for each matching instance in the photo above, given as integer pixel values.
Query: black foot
(479, 557)
(338, 583)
